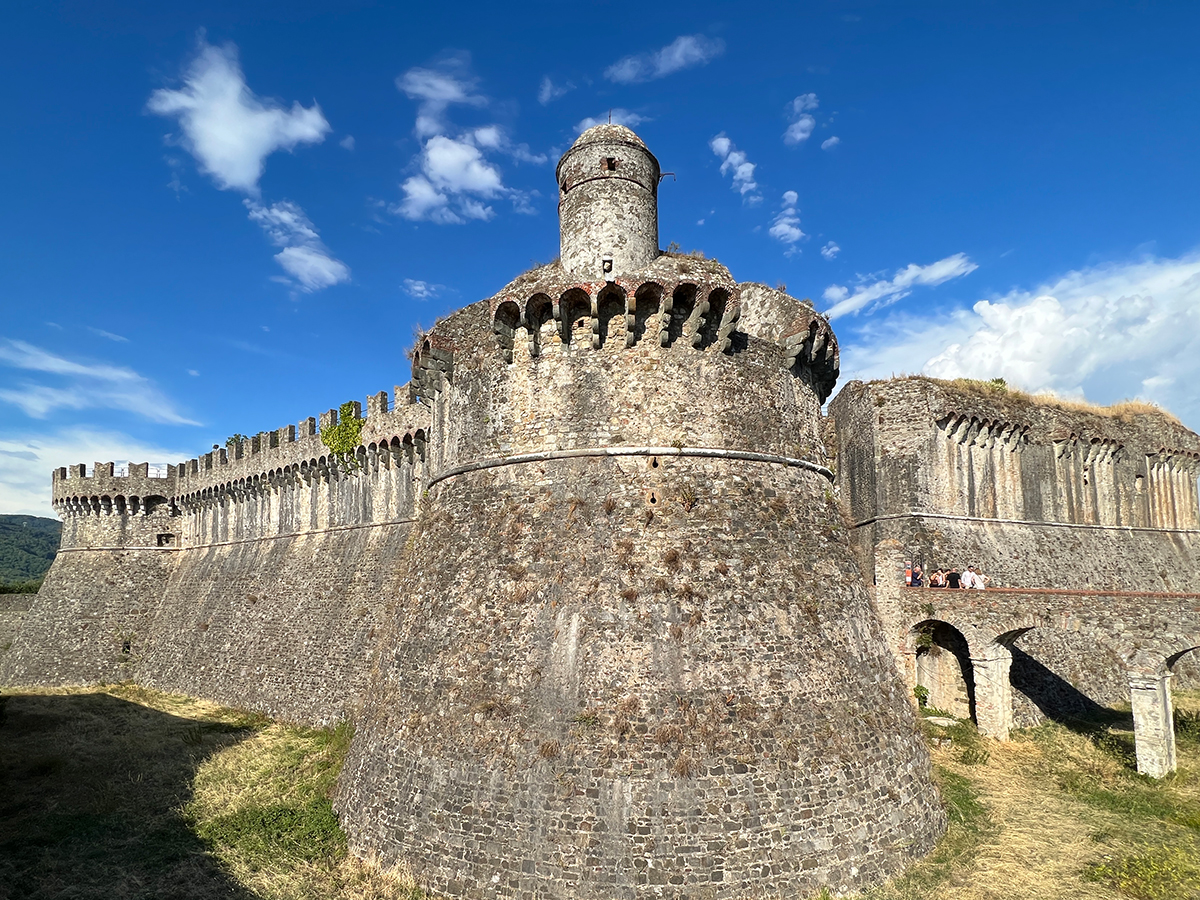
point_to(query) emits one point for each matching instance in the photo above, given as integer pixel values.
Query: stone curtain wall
(278, 569)
(90, 618)
(960, 477)
(596, 694)
(284, 626)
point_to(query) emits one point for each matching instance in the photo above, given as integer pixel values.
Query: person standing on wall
(953, 579)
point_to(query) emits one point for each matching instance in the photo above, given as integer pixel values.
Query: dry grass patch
(1061, 813)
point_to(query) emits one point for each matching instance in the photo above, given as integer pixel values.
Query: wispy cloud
(830, 250)
(422, 290)
(231, 131)
(108, 335)
(735, 162)
(548, 91)
(303, 255)
(785, 228)
(228, 128)
(28, 460)
(885, 291)
(347, 143)
(830, 143)
(802, 122)
(1105, 332)
(81, 385)
(438, 89)
(684, 52)
(617, 116)
(455, 180)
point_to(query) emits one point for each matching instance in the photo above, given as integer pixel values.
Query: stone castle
(616, 611)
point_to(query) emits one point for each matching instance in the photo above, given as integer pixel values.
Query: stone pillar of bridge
(1153, 723)
(993, 690)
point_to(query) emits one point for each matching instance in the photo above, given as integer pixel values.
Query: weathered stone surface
(1087, 524)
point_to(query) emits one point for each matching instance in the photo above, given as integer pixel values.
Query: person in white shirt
(974, 579)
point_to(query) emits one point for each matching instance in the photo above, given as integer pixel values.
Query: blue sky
(224, 219)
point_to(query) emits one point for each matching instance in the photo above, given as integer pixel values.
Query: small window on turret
(609, 164)
(166, 540)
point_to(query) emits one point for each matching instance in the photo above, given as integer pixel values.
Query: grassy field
(119, 792)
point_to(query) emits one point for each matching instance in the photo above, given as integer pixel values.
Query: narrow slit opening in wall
(652, 498)
(654, 462)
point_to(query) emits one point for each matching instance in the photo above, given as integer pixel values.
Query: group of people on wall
(971, 579)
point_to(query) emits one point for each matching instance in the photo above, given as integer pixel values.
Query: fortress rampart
(1086, 521)
(590, 595)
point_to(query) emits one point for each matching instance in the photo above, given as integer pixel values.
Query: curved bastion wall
(636, 655)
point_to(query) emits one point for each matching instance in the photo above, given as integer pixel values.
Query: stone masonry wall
(634, 677)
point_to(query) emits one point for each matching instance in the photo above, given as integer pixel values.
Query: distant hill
(27, 547)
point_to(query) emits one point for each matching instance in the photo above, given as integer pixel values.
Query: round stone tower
(635, 656)
(607, 203)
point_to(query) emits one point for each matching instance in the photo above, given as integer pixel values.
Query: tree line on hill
(27, 548)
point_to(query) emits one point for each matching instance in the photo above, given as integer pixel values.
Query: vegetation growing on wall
(344, 438)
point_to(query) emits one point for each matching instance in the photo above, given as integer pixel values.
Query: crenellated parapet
(117, 506)
(676, 301)
(112, 489)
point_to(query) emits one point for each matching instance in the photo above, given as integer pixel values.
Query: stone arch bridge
(1148, 632)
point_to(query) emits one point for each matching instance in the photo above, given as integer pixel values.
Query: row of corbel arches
(113, 505)
(703, 315)
(986, 433)
(408, 449)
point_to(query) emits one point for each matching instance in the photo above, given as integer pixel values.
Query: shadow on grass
(91, 791)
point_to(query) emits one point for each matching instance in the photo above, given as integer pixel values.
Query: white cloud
(226, 126)
(785, 228)
(735, 162)
(830, 143)
(437, 90)
(548, 92)
(26, 462)
(884, 292)
(616, 116)
(684, 52)
(451, 168)
(81, 385)
(1106, 332)
(422, 290)
(455, 179)
(347, 143)
(830, 250)
(802, 123)
(303, 255)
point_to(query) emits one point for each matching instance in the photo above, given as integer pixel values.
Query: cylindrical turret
(607, 203)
